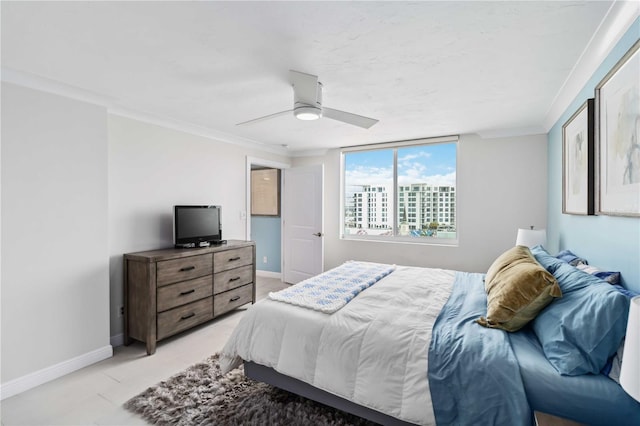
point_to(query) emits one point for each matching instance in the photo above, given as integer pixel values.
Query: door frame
(256, 161)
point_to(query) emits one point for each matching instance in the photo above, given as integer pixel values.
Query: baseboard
(268, 274)
(48, 374)
(117, 340)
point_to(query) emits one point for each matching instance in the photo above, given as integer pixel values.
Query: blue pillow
(571, 258)
(550, 263)
(582, 330)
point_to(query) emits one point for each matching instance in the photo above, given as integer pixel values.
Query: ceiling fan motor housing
(304, 110)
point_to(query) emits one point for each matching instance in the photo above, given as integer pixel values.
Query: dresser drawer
(184, 317)
(184, 292)
(185, 268)
(231, 299)
(233, 278)
(230, 259)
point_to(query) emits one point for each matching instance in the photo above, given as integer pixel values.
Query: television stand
(171, 290)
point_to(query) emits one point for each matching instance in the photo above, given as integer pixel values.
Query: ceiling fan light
(307, 116)
(307, 113)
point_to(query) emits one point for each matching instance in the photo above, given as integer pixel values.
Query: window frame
(395, 238)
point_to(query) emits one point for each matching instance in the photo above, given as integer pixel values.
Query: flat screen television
(197, 226)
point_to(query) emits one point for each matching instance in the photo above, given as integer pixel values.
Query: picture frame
(578, 161)
(617, 100)
(265, 192)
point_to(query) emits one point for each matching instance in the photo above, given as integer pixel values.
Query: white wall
(55, 289)
(151, 169)
(502, 185)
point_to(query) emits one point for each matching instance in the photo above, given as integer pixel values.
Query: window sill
(424, 241)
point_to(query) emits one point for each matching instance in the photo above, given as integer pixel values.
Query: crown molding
(614, 25)
(510, 133)
(197, 130)
(47, 85)
(43, 84)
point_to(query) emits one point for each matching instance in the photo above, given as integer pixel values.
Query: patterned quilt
(333, 289)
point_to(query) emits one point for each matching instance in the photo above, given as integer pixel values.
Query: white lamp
(531, 237)
(630, 370)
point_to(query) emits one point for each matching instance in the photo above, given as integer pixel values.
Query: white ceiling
(422, 68)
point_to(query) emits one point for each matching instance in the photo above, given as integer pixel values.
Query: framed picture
(265, 192)
(578, 168)
(618, 137)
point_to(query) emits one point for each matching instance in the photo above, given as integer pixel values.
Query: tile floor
(95, 394)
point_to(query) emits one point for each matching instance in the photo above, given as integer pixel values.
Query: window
(402, 174)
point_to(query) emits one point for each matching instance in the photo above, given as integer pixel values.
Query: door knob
(318, 234)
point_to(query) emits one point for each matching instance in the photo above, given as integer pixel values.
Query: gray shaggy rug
(201, 395)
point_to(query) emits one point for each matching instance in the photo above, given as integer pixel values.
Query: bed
(409, 349)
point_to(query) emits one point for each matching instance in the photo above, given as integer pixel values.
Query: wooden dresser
(171, 290)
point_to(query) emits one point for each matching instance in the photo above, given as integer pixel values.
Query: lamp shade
(630, 370)
(531, 237)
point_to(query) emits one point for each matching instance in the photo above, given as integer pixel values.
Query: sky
(434, 164)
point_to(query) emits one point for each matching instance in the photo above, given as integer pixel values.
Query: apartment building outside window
(409, 189)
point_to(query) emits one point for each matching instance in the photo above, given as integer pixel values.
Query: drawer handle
(234, 279)
(184, 293)
(233, 259)
(184, 317)
(187, 268)
(234, 298)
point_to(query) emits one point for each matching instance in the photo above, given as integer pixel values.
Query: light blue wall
(265, 231)
(609, 242)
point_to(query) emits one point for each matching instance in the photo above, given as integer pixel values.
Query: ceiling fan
(307, 104)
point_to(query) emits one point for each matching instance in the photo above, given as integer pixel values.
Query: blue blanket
(474, 376)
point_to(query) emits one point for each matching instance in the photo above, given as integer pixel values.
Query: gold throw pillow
(517, 287)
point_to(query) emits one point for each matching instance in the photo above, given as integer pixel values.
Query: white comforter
(373, 351)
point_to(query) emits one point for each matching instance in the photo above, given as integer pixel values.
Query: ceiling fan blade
(266, 117)
(349, 118)
(305, 87)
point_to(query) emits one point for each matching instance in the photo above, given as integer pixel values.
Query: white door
(302, 222)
